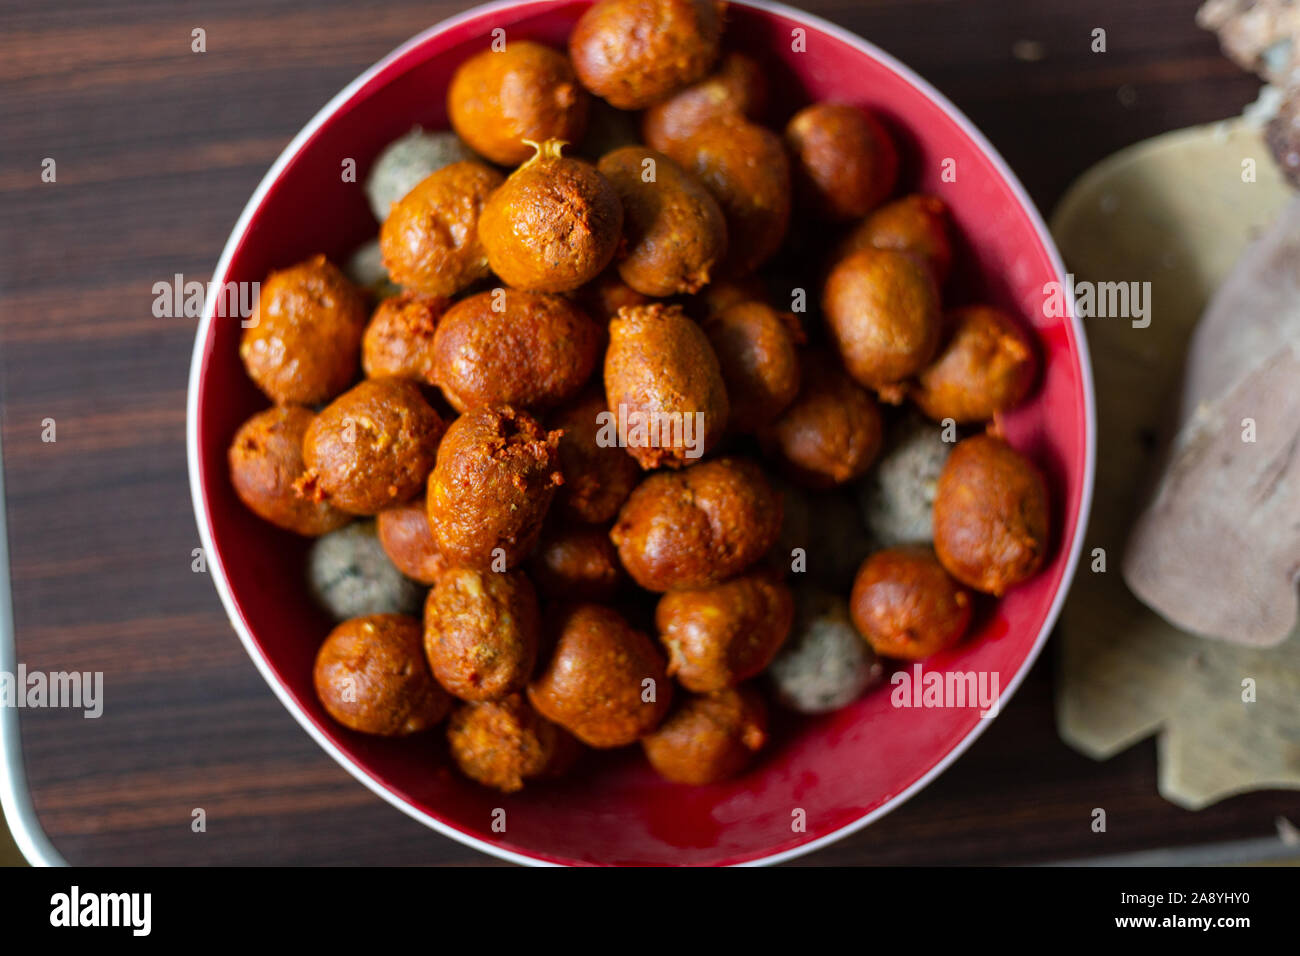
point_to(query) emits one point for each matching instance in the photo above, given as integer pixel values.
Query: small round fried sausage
(698, 527)
(605, 682)
(736, 88)
(990, 515)
(501, 99)
(598, 475)
(745, 167)
(370, 676)
(576, 562)
(554, 224)
(845, 161)
(503, 743)
(673, 231)
(430, 240)
(717, 637)
(831, 433)
(906, 606)
(709, 738)
(988, 365)
(634, 52)
(603, 296)
(917, 224)
(664, 386)
(882, 308)
(756, 351)
(407, 539)
(371, 447)
(481, 632)
(265, 462)
(302, 345)
(399, 339)
(496, 473)
(514, 348)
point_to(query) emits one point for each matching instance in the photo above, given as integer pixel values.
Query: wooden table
(157, 149)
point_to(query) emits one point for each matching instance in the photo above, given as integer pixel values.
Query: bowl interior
(837, 769)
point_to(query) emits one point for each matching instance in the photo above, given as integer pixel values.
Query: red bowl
(831, 774)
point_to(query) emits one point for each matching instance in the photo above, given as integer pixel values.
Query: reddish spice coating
(371, 447)
(717, 637)
(664, 386)
(988, 365)
(554, 224)
(597, 477)
(399, 339)
(503, 743)
(906, 606)
(917, 224)
(407, 539)
(496, 473)
(481, 631)
(498, 99)
(634, 52)
(746, 169)
(302, 345)
(673, 231)
(605, 682)
(695, 528)
(430, 240)
(370, 676)
(831, 433)
(576, 562)
(514, 348)
(736, 88)
(265, 462)
(756, 349)
(882, 309)
(603, 296)
(709, 737)
(990, 515)
(846, 164)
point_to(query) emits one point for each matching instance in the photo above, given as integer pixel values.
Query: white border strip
(218, 572)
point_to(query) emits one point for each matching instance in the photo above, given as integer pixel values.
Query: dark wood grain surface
(157, 149)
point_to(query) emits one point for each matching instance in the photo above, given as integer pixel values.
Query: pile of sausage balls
(611, 235)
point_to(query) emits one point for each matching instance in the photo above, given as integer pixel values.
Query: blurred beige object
(1173, 211)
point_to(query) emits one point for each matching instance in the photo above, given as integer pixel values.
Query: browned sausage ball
(709, 737)
(265, 462)
(576, 562)
(756, 350)
(514, 348)
(634, 52)
(605, 682)
(302, 345)
(664, 386)
(719, 636)
(503, 743)
(745, 167)
(500, 98)
(554, 224)
(598, 475)
(988, 365)
(917, 224)
(695, 528)
(407, 539)
(481, 631)
(673, 231)
(603, 296)
(430, 240)
(399, 339)
(845, 161)
(990, 515)
(831, 433)
(736, 88)
(906, 606)
(496, 473)
(371, 447)
(371, 676)
(722, 294)
(882, 308)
